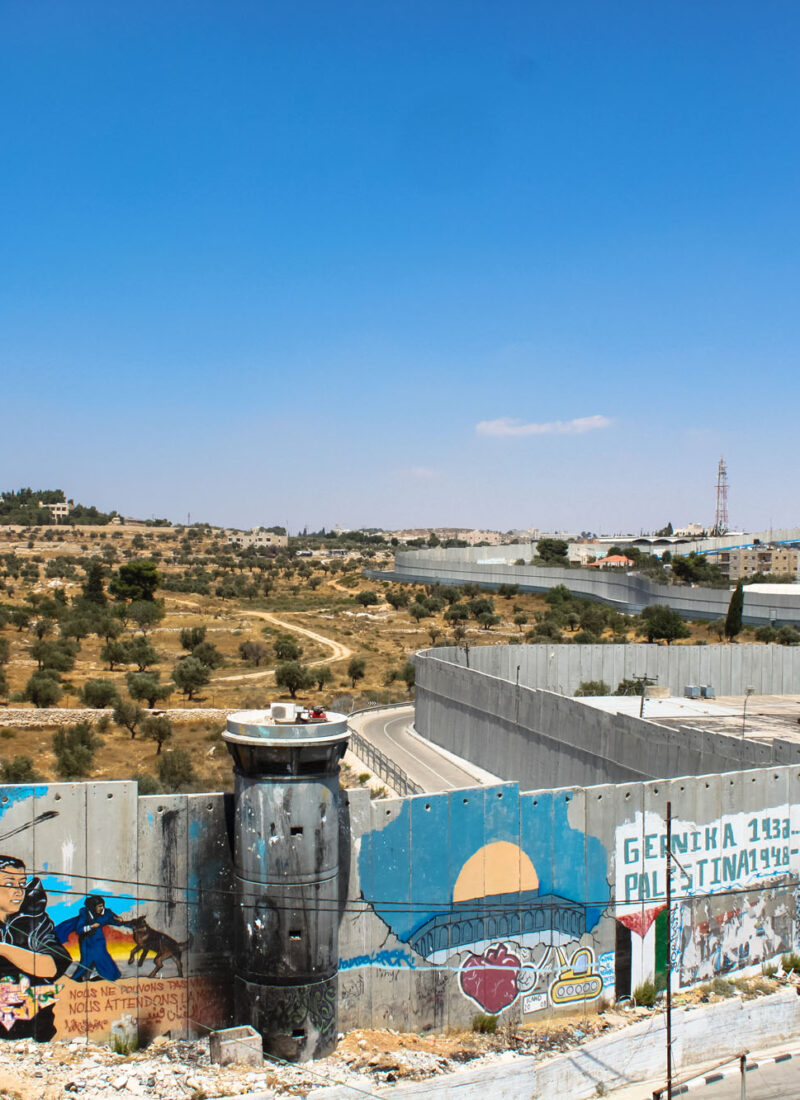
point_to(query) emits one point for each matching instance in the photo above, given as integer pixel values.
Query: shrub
(721, 987)
(175, 769)
(99, 693)
(483, 1024)
(74, 750)
(42, 689)
(645, 994)
(19, 770)
(791, 963)
(148, 784)
(190, 674)
(593, 687)
(630, 687)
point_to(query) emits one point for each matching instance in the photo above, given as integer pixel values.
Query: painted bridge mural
(475, 880)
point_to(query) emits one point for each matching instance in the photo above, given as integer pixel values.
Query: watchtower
(286, 855)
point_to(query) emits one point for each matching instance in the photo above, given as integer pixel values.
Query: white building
(59, 511)
(256, 536)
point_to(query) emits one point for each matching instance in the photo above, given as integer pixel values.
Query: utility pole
(669, 951)
(644, 681)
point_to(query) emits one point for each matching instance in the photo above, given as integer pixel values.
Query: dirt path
(339, 652)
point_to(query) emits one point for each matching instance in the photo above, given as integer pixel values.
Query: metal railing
(378, 762)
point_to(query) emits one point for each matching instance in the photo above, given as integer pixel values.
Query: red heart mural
(490, 979)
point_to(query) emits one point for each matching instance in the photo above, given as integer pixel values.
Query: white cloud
(421, 472)
(507, 426)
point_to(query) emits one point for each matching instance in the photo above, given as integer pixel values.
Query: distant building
(256, 536)
(583, 553)
(59, 511)
(614, 561)
(758, 559)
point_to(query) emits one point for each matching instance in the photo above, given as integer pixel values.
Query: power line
(394, 905)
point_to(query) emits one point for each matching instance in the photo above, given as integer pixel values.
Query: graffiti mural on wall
(716, 937)
(719, 927)
(506, 897)
(31, 956)
(87, 930)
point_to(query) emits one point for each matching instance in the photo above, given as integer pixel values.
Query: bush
(148, 784)
(645, 994)
(367, 598)
(593, 687)
(99, 693)
(192, 636)
(721, 987)
(630, 687)
(190, 674)
(287, 649)
(484, 1025)
(42, 689)
(74, 750)
(175, 769)
(791, 963)
(19, 770)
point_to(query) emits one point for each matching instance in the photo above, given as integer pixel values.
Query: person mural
(95, 963)
(31, 956)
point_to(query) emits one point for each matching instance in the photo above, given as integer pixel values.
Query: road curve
(420, 760)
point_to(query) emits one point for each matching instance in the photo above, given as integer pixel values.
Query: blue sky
(502, 264)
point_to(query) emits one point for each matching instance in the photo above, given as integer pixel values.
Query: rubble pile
(367, 1060)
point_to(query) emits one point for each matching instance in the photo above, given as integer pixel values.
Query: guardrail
(378, 761)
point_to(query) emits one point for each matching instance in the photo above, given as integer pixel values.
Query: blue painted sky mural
(493, 844)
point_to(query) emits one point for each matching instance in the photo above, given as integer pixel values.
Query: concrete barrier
(490, 567)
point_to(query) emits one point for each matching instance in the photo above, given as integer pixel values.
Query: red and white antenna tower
(721, 514)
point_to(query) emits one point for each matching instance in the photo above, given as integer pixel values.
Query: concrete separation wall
(540, 738)
(633, 1054)
(628, 592)
(729, 669)
(521, 904)
(151, 878)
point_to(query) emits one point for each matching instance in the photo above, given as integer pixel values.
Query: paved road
(770, 1081)
(423, 763)
(766, 1079)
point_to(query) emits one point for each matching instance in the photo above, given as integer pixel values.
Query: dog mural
(163, 947)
